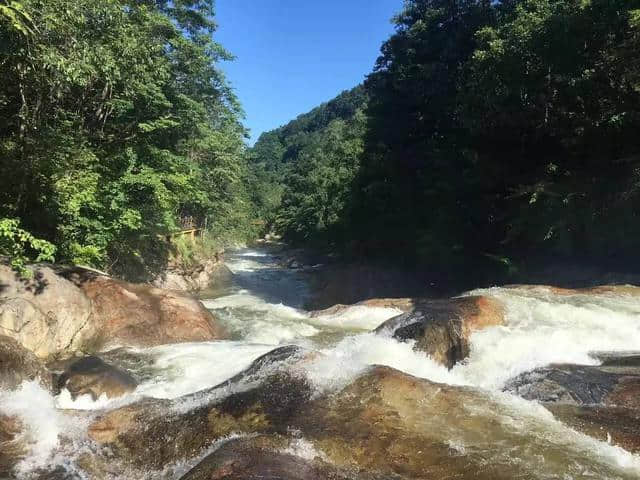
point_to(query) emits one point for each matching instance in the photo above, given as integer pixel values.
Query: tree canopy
(494, 134)
(117, 122)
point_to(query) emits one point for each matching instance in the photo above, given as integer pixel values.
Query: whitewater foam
(42, 423)
(542, 328)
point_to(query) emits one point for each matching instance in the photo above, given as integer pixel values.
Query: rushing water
(263, 310)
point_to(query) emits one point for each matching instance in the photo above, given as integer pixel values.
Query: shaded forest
(490, 137)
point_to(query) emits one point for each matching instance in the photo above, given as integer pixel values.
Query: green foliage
(188, 253)
(304, 170)
(495, 135)
(21, 247)
(117, 122)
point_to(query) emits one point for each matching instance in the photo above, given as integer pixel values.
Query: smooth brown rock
(92, 376)
(17, 364)
(266, 457)
(181, 428)
(402, 304)
(442, 328)
(392, 423)
(210, 274)
(141, 315)
(385, 424)
(47, 313)
(599, 401)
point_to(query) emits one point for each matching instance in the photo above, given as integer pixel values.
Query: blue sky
(295, 54)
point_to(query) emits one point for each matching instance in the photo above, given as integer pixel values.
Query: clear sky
(293, 55)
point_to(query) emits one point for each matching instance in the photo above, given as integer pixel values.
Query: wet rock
(610, 384)
(385, 424)
(442, 328)
(629, 290)
(17, 364)
(61, 311)
(392, 423)
(259, 400)
(12, 448)
(599, 401)
(92, 376)
(266, 457)
(141, 315)
(47, 313)
(402, 304)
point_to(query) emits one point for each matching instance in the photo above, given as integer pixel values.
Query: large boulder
(60, 311)
(212, 274)
(385, 424)
(17, 364)
(442, 328)
(128, 314)
(601, 401)
(92, 376)
(392, 423)
(259, 400)
(47, 313)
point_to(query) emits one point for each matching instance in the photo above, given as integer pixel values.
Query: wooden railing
(192, 233)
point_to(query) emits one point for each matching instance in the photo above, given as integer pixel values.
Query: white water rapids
(263, 310)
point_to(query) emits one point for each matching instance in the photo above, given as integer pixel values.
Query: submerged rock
(385, 424)
(92, 376)
(17, 364)
(442, 328)
(600, 401)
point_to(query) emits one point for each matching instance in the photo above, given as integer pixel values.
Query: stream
(263, 310)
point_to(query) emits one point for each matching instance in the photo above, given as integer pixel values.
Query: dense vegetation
(115, 123)
(307, 167)
(489, 135)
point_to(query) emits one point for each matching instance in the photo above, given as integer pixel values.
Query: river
(263, 310)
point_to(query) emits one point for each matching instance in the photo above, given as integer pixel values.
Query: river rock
(600, 401)
(210, 274)
(259, 400)
(92, 376)
(12, 449)
(391, 423)
(17, 364)
(140, 315)
(61, 311)
(268, 457)
(385, 424)
(402, 304)
(628, 290)
(47, 313)
(442, 328)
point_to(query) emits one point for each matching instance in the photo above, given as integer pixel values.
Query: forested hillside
(115, 123)
(495, 134)
(306, 168)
